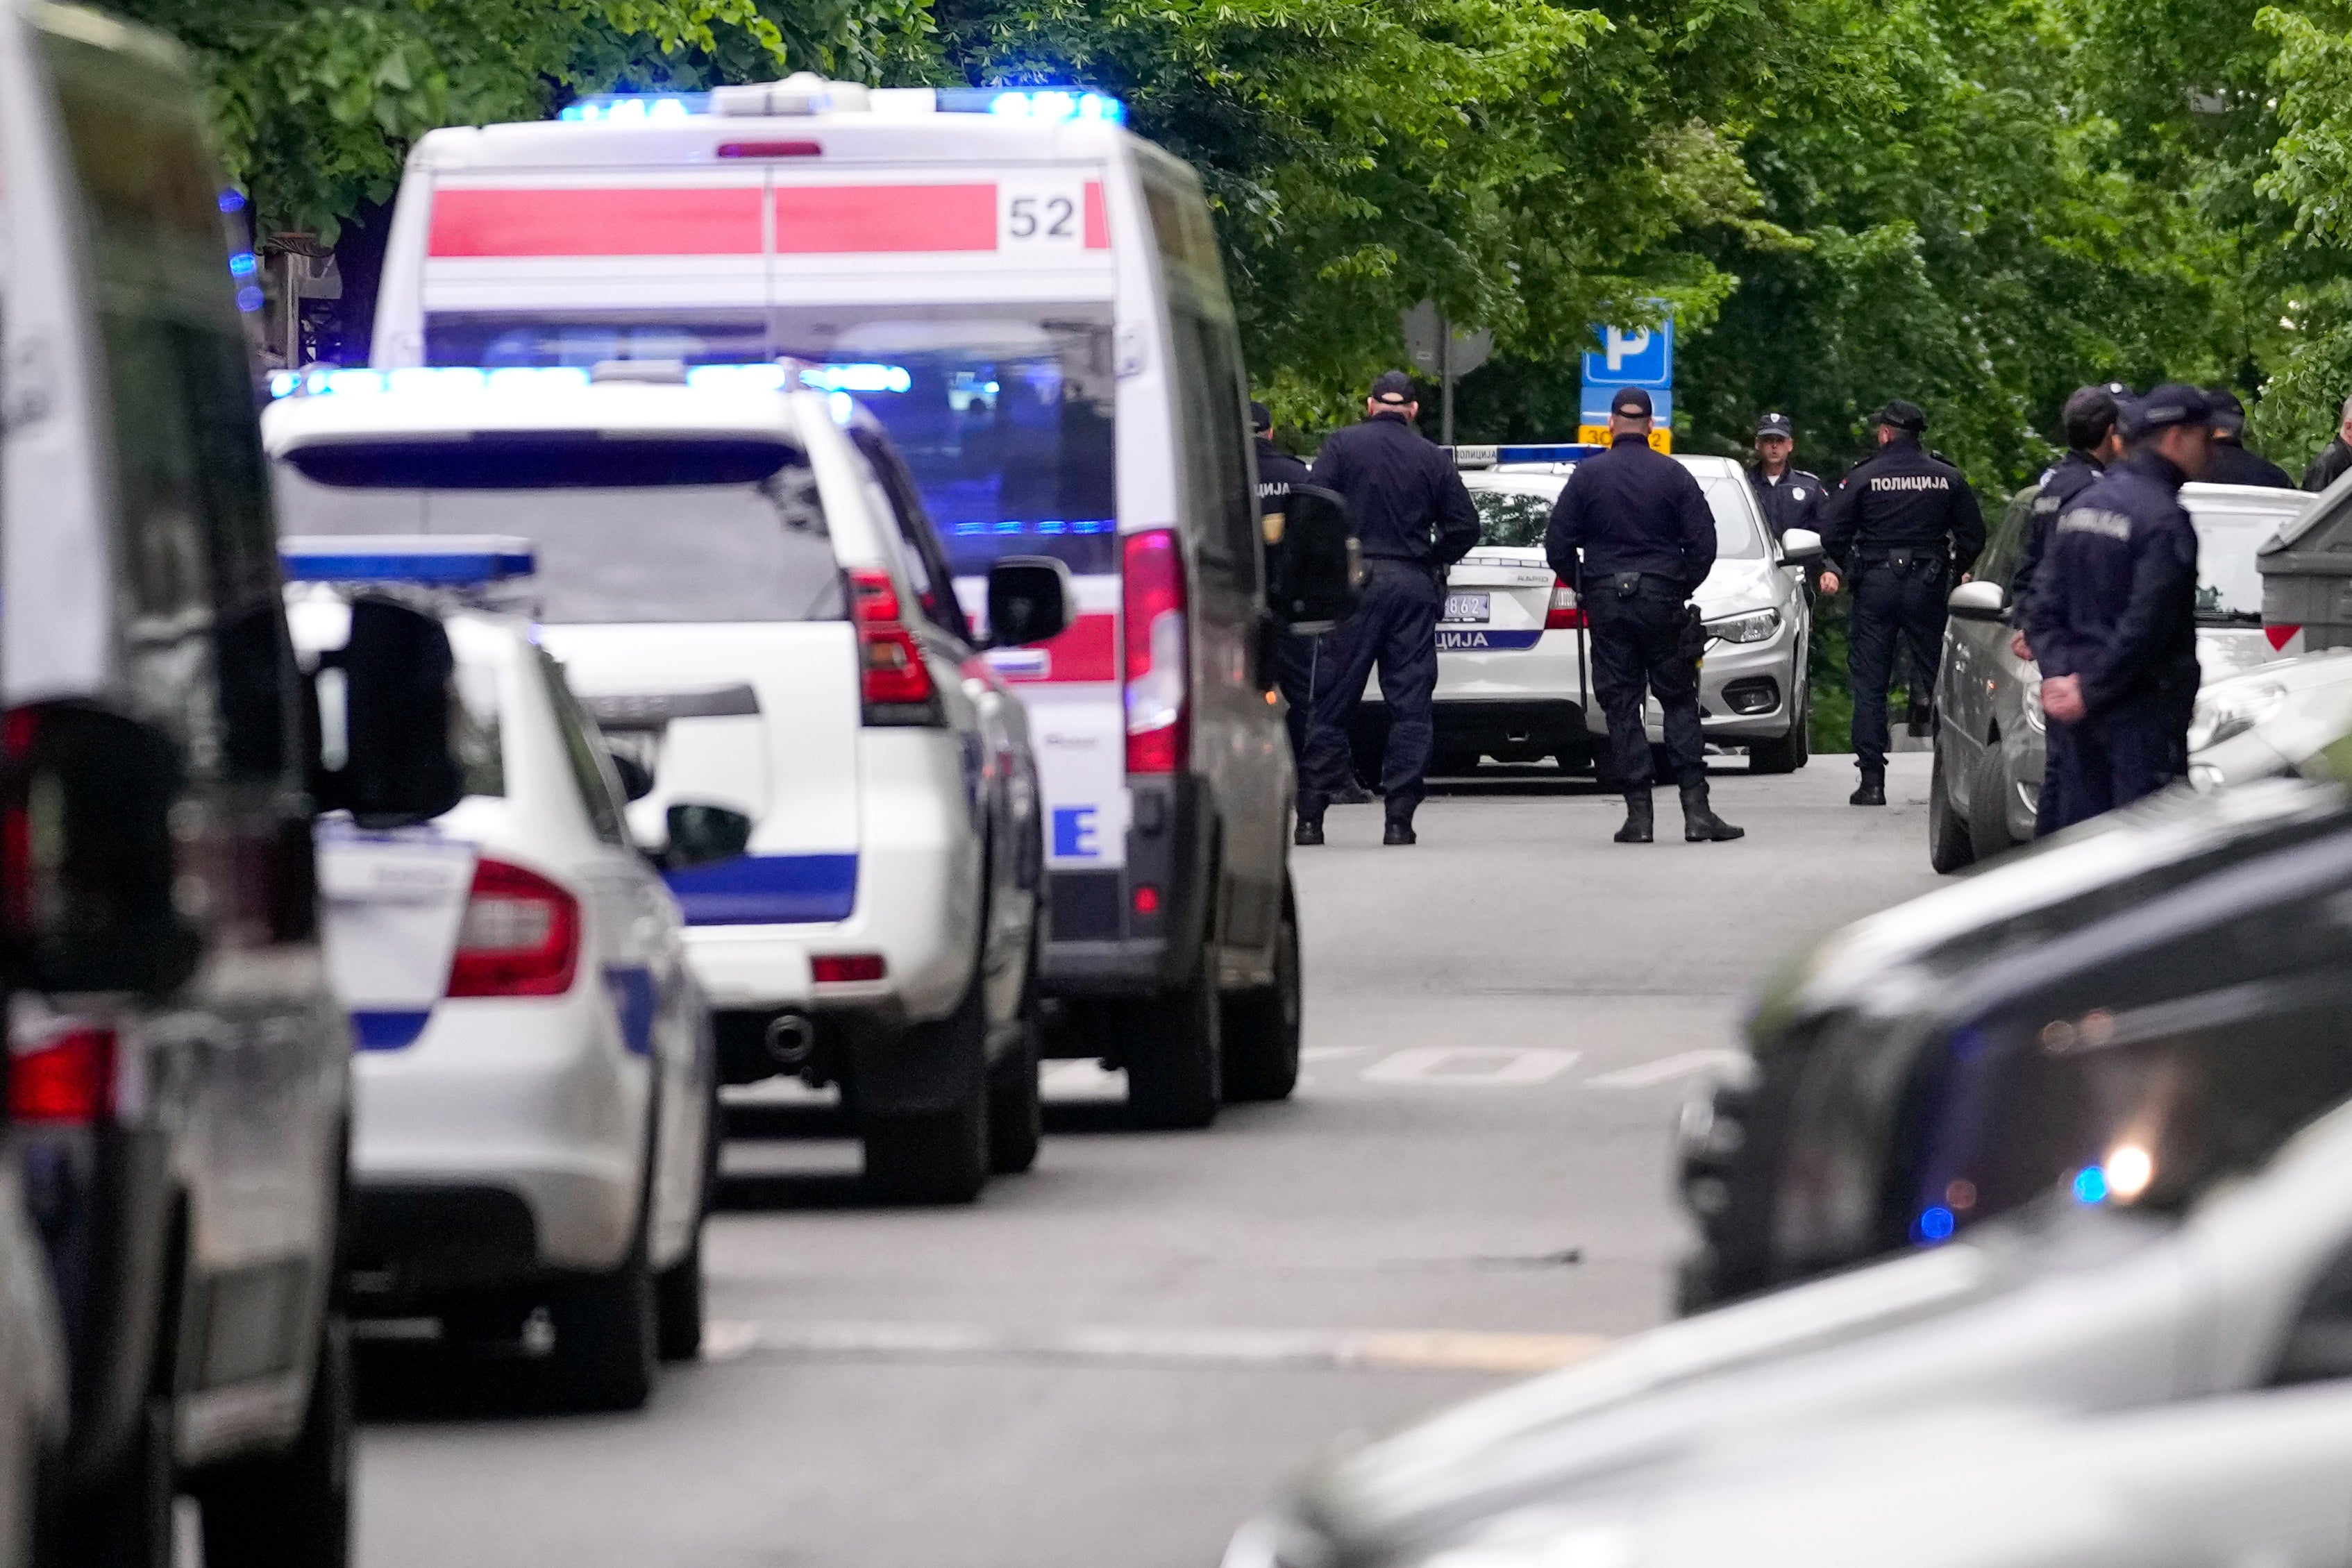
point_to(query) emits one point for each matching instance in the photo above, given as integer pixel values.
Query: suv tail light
(67, 1080)
(895, 685)
(1152, 583)
(520, 935)
(1562, 615)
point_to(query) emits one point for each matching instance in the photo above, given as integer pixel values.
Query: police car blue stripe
(635, 1003)
(768, 890)
(388, 1030)
(1452, 641)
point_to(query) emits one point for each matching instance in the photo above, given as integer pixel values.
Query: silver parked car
(1987, 783)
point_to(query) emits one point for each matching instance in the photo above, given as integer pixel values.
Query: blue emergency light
(1044, 104)
(323, 382)
(636, 108)
(1550, 452)
(428, 561)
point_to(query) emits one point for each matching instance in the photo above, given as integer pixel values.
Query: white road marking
(1471, 1066)
(1083, 1078)
(1666, 1070)
(723, 1340)
(1377, 1350)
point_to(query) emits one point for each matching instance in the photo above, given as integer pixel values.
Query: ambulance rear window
(626, 532)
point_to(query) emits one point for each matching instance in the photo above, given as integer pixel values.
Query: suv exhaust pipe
(791, 1041)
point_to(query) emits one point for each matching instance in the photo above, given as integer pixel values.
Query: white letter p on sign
(1621, 346)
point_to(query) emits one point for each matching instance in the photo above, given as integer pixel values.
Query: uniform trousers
(1393, 627)
(2114, 758)
(1637, 648)
(1893, 600)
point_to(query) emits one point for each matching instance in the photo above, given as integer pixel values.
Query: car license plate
(1468, 608)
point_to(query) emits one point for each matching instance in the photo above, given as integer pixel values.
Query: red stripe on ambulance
(869, 219)
(1086, 649)
(677, 221)
(1097, 217)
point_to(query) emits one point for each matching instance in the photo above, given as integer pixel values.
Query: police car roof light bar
(1551, 452)
(427, 560)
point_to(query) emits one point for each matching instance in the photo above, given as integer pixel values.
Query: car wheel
(608, 1340)
(1989, 833)
(1261, 1027)
(1172, 1046)
(123, 1520)
(1784, 753)
(937, 1156)
(1016, 1120)
(293, 1508)
(678, 1304)
(1950, 847)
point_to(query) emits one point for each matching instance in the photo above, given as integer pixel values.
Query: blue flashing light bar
(1544, 452)
(1050, 527)
(1045, 105)
(737, 378)
(243, 264)
(232, 200)
(635, 108)
(325, 381)
(432, 560)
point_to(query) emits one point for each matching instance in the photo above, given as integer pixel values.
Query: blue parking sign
(1631, 356)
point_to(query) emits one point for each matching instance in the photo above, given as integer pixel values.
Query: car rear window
(627, 532)
(1516, 511)
(2228, 588)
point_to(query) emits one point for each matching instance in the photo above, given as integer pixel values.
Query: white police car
(745, 593)
(1512, 681)
(535, 1078)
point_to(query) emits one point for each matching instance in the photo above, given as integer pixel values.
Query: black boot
(1921, 719)
(1309, 831)
(1872, 791)
(1700, 824)
(1399, 832)
(1639, 820)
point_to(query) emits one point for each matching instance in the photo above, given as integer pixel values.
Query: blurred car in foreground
(2173, 980)
(1512, 680)
(535, 1092)
(1987, 782)
(2085, 1301)
(2225, 1483)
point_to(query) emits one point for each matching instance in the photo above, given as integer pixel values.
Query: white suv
(752, 620)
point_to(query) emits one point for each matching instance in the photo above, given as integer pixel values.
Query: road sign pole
(1446, 379)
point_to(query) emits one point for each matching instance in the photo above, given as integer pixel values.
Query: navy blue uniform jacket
(1631, 508)
(1403, 495)
(2115, 601)
(1905, 498)
(2073, 474)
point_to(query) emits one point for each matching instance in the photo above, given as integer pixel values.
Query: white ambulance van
(1030, 300)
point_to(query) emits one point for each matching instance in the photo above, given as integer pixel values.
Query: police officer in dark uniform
(1632, 530)
(1413, 519)
(1902, 525)
(1277, 471)
(1790, 498)
(2113, 619)
(2231, 462)
(2094, 442)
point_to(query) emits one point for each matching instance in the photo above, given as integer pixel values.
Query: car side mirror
(387, 691)
(1322, 565)
(1801, 546)
(87, 860)
(1978, 602)
(636, 779)
(1029, 601)
(703, 835)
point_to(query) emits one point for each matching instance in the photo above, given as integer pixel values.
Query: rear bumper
(1509, 729)
(535, 1100)
(1097, 943)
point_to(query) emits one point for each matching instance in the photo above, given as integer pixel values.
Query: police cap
(1630, 402)
(1902, 415)
(1775, 424)
(2228, 415)
(2170, 404)
(1392, 389)
(1261, 417)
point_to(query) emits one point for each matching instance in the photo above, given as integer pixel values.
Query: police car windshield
(1514, 510)
(640, 532)
(1002, 412)
(2229, 588)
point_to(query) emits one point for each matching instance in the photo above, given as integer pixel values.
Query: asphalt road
(1114, 1359)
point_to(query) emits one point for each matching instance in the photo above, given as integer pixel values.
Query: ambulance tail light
(1152, 573)
(519, 935)
(1562, 615)
(64, 1080)
(895, 685)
